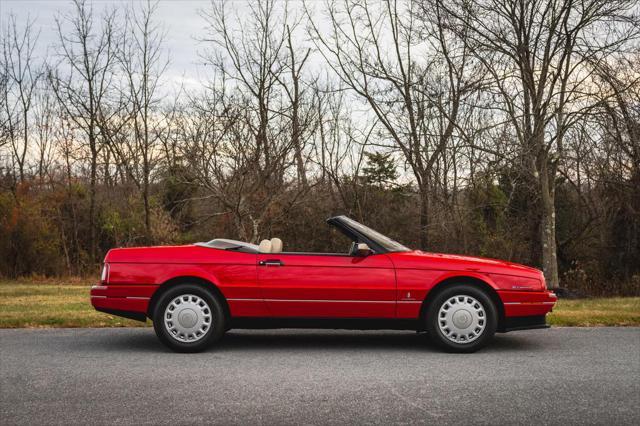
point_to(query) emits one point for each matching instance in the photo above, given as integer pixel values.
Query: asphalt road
(124, 376)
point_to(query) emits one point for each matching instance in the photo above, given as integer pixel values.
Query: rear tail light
(104, 278)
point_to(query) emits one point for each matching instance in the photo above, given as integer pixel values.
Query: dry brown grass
(618, 311)
(65, 303)
(52, 303)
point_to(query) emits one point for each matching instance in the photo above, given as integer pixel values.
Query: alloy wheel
(462, 319)
(188, 318)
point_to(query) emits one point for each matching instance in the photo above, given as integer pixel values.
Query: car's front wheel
(188, 318)
(461, 318)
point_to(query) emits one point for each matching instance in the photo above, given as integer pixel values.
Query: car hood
(420, 259)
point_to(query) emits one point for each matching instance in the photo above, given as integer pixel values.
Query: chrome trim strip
(117, 297)
(324, 300)
(98, 287)
(529, 303)
(334, 301)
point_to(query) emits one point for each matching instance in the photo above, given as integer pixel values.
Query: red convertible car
(194, 293)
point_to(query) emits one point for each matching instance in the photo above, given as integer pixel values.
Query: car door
(315, 285)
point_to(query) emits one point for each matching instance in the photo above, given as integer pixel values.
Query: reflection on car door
(327, 285)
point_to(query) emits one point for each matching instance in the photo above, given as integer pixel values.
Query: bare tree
(408, 71)
(300, 120)
(619, 97)
(256, 61)
(340, 145)
(45, 118)
(249, 56)
(21, 79)
(5, 118)
(143, 62)
(613, 163)
(535, 52)
(82, 79)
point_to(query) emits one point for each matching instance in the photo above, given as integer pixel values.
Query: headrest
(276, 245)
(265, 246)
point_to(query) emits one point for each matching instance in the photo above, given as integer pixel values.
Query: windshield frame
(360, 233)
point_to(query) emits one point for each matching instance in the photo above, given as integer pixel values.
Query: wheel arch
(188, 279)
(469, 280)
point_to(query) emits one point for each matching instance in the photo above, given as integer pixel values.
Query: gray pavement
(124, 376)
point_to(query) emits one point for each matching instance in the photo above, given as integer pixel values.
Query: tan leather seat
(276, 245)
(265, 246)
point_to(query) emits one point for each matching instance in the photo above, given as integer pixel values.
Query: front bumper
(527, 303)
(525, 323)
(526, 310)
(122, 300)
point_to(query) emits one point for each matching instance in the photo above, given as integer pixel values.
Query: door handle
(271, 262)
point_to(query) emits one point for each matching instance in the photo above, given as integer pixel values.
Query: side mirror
(363, 250)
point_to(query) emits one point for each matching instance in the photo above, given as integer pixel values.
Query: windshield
(384, 241)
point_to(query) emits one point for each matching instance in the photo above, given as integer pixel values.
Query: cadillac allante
(195, 293)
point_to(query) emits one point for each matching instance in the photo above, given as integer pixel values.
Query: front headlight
(508, 282)
(104, 277)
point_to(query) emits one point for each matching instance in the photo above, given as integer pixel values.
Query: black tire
(450, 295)
(216, 325)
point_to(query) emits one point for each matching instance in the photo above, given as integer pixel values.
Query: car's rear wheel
(188, 318)
(461, 318)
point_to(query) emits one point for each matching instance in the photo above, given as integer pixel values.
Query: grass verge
(609, 311)
(57, 303)
(52, 304)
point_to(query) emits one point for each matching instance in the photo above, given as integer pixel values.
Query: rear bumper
(126, 301)
(138, 316)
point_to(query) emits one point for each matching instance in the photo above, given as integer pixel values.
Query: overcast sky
(180, 18)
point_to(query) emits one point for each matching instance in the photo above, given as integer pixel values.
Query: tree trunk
(147, 210)
(548, 227)
(25, 142)
(295, 134)
(424, 219)
(302, 176)
(92, 206)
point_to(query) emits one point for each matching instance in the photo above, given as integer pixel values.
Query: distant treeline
(500, 128)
